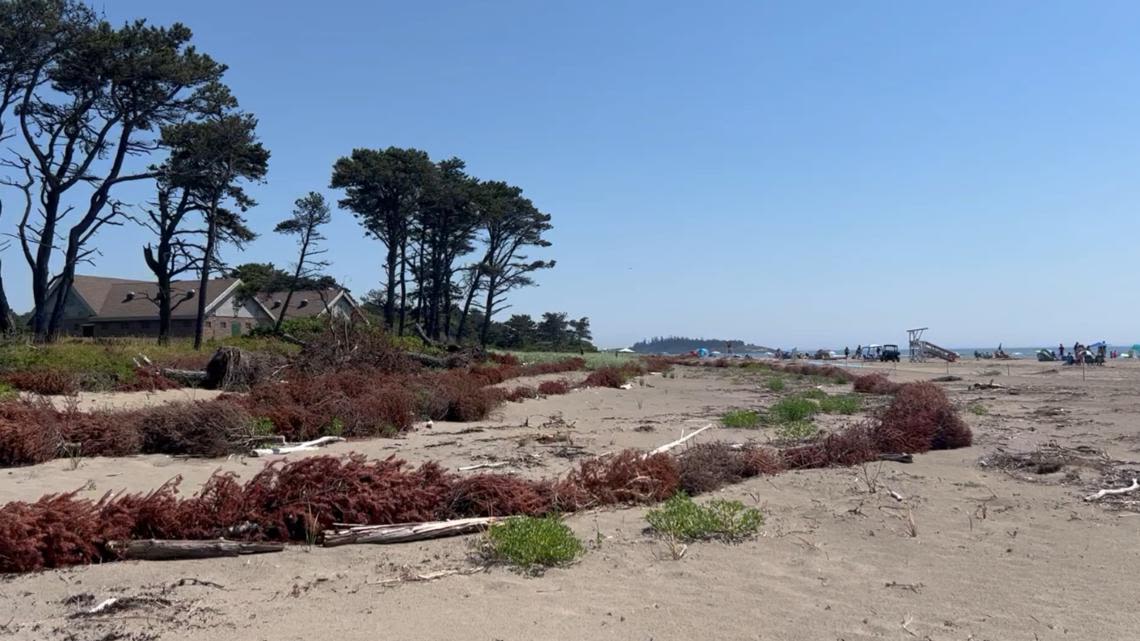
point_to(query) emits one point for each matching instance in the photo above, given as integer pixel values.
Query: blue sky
(795, 174)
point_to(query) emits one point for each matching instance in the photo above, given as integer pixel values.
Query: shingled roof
(304, 303)
(117, 298)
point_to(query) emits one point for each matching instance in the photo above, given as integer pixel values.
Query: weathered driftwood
(1122, 490)
(118, 604)
(307, 446)
(404, 532)
(946, 379)
(897, 458)
(989, 385)
(480, 466)
(169, 550)
(670, 445)
(408, 575)
(189, 377)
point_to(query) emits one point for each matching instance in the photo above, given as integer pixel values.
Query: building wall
(248, 309)
(343, 308)
(215, 327)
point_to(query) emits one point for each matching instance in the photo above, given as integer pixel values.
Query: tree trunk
(390, 295)
(164, 308)
(41, 268)
(461, 330)
(293, 284)
(445, 313)
(204, 279)
(63, 286)
(403, 285)
(487, 311)
(7, 322)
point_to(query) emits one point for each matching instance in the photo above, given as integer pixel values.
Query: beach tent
(625, 350)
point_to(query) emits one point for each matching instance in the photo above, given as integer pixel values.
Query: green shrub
(842, 404)
(978, 409)
(263, 426)
(335, 428)
(796, 430)
(682, 518)
(532, 543)
(746, 419)
(792, 409)
(776, 384)
(814, 394)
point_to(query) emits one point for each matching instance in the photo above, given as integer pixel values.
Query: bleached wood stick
(668, 446)
(168, 550)
(404, 532)
(479, 466)
(307, 446)
(103, 605)
(430, 576)
(1123, 490)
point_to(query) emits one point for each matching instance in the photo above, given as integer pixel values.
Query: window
(207, 323)
(222, 324)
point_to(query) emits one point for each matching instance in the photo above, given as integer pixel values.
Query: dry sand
(991, 554)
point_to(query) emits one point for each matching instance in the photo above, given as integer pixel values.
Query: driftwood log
(1110, 492)
(404, 532)
(170, 550)
(289, 448)
(989, 385)
(188, 377)
(670, 445)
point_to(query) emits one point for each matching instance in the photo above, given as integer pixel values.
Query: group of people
(1084, 355)
(868, 354)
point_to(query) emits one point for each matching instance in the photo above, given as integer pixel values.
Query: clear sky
(795, 173)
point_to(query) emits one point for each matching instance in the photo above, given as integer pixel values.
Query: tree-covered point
(553, 332)
(684, 345)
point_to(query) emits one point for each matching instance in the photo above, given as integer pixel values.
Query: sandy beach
(974, 550)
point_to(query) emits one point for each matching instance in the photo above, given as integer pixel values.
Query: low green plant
(792, 409)
(775, 384)
(335, 428)
(262, 426)
(7, 392)
(796, 430)
(532, 543)
(683, 519)
(814, 394)
(978, 409)
(841, 404)
(745, 419)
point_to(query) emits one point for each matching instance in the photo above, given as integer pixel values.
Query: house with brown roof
(307, 303)
(99, 306)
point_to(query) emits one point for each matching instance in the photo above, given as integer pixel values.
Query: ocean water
(968, 352)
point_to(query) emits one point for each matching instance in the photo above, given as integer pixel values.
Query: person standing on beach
(1061, 346)
(846, 352)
